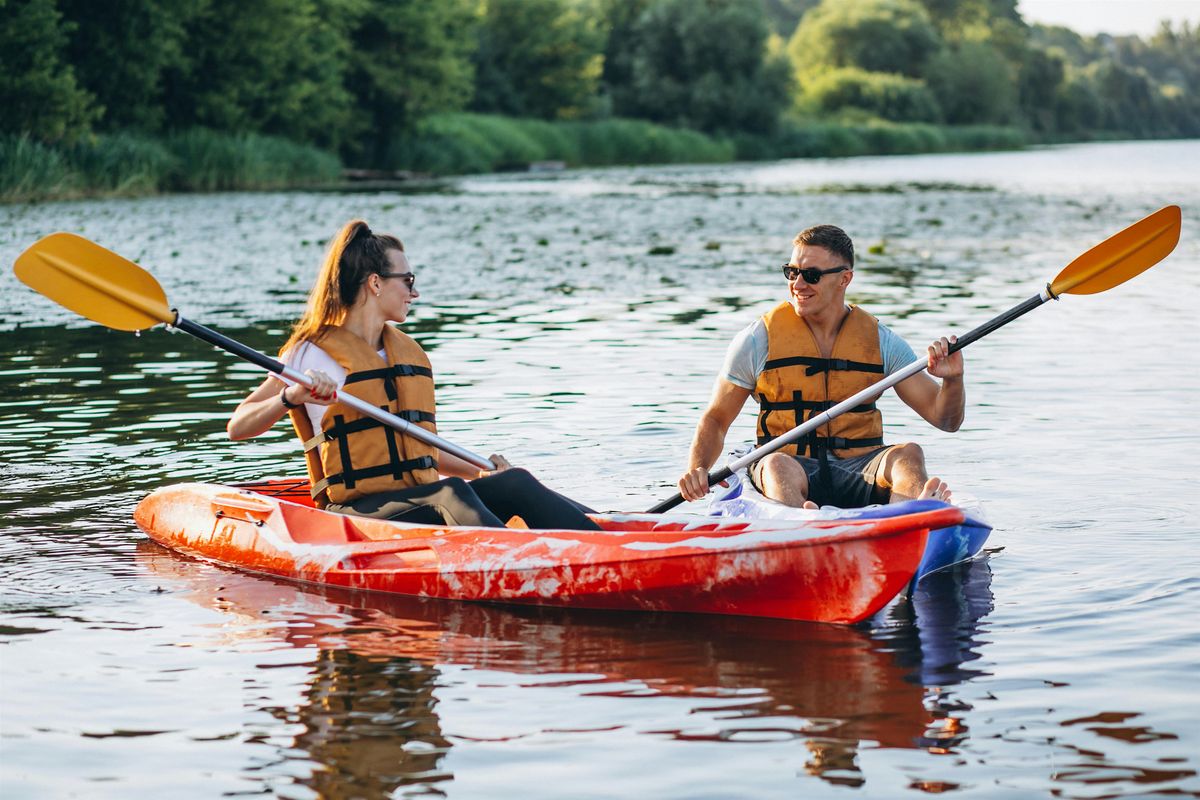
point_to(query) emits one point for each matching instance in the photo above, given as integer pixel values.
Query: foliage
(122, 163)
(120, 49)
(974, 85)
(702, 64)
(784, 15)
(123, 96)
(277, 70)
(880, 94)
(38, 89)
(214, 161)
(447, 144)
(894, 36)
(408, 59)
(537, 58)
(30, 169)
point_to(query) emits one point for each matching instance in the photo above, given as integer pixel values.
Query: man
(808, 354)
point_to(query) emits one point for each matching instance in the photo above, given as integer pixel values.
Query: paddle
(96, 283)
(1110, 263)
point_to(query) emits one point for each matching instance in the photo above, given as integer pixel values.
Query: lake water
(1065, 664)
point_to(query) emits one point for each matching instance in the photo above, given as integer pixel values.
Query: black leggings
(484, 502)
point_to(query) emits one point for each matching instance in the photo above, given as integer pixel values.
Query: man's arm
(726, 403)
(942, 405)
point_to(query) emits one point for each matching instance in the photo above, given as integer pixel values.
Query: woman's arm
(263, 407)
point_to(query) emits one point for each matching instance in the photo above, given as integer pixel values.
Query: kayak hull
(827, 571)
(945, 547)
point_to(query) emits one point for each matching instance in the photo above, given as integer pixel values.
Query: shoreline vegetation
(201, 160)
(149, 96)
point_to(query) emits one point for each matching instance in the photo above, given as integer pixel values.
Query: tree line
(360, 77)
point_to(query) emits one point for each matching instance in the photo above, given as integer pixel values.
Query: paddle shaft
(871, 391)
(363, 407)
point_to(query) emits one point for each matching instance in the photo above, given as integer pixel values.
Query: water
(1064, 664)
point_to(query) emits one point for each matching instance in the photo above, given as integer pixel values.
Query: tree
(38, 89)
(895, 36)
(880, 94)
(537, 58)
(1038, 85)
(278, 70)
(119, 50)
(974, 85)
(408, 59)
(703, 64)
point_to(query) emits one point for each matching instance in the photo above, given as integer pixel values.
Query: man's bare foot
(810, 505)
(936, 489)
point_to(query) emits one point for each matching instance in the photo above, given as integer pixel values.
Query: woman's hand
(322, 393)
(501, 464)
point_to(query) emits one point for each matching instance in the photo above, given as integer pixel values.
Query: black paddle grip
(225, 343)
(713, 479)
(996, 322)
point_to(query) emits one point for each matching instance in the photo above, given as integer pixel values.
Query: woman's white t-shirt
(309, 356)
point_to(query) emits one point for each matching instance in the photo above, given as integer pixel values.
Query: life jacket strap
(818, 365)
(341, 429)
(389, 374)
(350, 476)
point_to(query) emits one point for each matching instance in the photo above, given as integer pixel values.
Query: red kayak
(815, 570)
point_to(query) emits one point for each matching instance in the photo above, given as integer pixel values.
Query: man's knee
(780, 468)
(908, 456)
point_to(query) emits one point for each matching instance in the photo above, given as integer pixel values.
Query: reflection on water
(367, 720)
(576, 323)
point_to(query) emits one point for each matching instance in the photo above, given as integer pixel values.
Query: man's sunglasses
(810, 274)
(410, 279)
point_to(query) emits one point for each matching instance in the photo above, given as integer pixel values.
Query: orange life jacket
(798, 383)
(355, 455)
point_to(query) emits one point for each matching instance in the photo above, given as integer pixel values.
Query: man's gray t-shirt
(747, 354)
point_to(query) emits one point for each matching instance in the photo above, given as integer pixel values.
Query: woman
(357, 465)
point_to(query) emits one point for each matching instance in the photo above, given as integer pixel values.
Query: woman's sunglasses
(410, 279)
(810, 274)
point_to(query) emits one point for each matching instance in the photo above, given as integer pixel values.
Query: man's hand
(943, 364)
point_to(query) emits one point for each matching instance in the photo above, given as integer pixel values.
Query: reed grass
(209, 161)
(30, 170)
(448, 144)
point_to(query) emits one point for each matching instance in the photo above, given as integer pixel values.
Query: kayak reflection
(369, 718)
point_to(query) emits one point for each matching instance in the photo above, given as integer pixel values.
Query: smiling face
(828, 295)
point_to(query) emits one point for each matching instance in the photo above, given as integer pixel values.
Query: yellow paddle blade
(93, 282)
(1121, 256)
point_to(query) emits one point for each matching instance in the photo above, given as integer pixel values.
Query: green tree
(895, 36)
(974, 84)
(537, 58)
(408, 59)
(39, 93)
(879, 94)
(1038, 88)
(119, 50)
(703, 64)
(278, 69)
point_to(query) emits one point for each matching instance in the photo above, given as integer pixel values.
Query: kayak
(824, 570)
(945, 547)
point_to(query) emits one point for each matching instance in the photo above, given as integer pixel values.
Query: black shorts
(848, 483)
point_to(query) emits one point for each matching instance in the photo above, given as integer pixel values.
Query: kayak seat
(306, 527)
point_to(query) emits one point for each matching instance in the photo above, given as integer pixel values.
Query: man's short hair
(831, 237)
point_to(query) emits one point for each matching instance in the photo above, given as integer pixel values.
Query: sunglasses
(408, 278)
(810, 274)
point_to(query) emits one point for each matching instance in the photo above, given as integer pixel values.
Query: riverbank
(444, 144)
